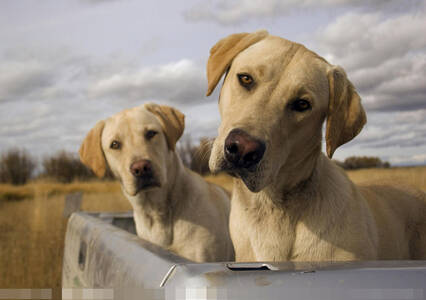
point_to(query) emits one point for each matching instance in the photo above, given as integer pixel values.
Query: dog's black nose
(141, 168)
(242, 150)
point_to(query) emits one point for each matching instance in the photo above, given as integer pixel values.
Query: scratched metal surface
(102, 253)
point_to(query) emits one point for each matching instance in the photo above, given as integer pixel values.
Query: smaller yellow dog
(173, 207)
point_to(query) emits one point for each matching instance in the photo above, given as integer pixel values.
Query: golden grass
(10, 192)
(32, 229)
(32, 235)
(412, 176)
(48, 189)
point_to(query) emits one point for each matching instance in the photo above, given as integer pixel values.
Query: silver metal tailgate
(103, 259)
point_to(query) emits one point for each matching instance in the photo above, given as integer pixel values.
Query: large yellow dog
(291, 202)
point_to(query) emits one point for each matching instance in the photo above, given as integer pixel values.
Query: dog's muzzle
(242, 151)
(143, 174)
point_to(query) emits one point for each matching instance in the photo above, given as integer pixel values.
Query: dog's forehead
(272, 46)
(276, 53)
(133, 119)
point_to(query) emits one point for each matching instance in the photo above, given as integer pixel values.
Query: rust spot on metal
(262, 281)
(216, 279)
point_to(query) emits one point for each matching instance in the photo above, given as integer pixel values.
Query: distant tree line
(362, 162)
(17, 166)
(65, 167)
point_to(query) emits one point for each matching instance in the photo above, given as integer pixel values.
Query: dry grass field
(32, 226)
(414, 176)
(410, 176)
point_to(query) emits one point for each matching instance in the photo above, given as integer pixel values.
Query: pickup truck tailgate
(104, 259)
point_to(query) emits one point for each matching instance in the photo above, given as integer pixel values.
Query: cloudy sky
(66, 64)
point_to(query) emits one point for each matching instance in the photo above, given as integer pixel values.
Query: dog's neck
(155, 210)
(297, 172)
(302, 183)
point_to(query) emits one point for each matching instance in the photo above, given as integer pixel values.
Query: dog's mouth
(146, 183)
(237, 171)
(249, 175)
(136, 185)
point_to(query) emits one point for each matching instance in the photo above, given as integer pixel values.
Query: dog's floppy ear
(346, 116)
(91, 154)
(222, 54)
(172, 121)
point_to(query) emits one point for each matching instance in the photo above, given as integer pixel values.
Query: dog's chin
(250, 176)
(252, 183)
(148, 186)
(142, 187)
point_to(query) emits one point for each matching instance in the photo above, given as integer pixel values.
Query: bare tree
(65, 167)
(16, 166)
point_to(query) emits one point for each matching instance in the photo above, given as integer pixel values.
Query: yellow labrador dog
(291, 202)
(173, 207)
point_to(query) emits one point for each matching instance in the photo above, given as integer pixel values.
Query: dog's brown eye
(150, 134)
(246, 80)
(300, 105)
(115, 145)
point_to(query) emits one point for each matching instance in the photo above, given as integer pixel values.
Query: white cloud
(359, 40)
(384, 56)
(419, 159)
(397, 137)
(98, 1)
(180, 82)
(231, 12)
(385, 129)
(23, 78)
(28, 75)
(56, 96)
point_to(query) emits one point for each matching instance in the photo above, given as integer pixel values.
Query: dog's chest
(273, 238)
(158, 233)
(267, 230)
(309, 245)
